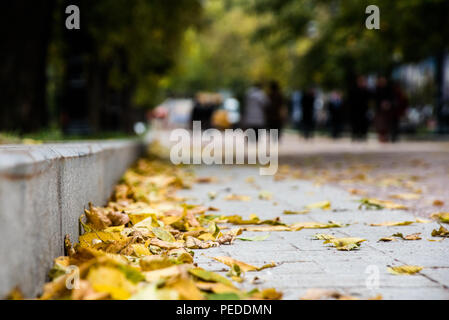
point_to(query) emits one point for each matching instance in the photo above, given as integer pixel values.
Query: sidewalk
(304, 263)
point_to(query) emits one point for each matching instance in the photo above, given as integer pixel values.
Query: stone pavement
(304, 263)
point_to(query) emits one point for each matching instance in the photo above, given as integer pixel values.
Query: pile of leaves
(140, 245)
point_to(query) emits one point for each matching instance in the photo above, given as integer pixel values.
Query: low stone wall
(43, 191)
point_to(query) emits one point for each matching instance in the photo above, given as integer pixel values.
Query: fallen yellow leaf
(296, 212)
(314, 225)
(406, 196)
(345, 244)
(141, 250)
(325, 205)
(242, 265)
(112, 281)
(236, 197)
(381, 204)
(442, 216)
(323, 236)
(392, 223)
(265, 195)
(268, 228)
(404, 269)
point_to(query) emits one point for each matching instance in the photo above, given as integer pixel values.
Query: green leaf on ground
(255, 238)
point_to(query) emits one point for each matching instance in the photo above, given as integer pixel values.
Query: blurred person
(220, 119)
(204, 106)
(308, 113)
(255, 107)
(335, 111)
(158, 118)
(295, 108)
(358, 99)
(384, 109)
(400, 106)
(275, 113)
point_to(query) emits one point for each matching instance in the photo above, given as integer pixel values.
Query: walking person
(358, 99)
(384, 109)
(295, 109)
(308, 113)
(400, 105)
(255, 108)
(335, 111)
(275, 113)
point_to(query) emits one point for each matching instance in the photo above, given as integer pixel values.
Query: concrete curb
(43, 191)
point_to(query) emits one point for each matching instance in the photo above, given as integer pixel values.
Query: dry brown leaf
(413, 236)
(97, 217)
(357, 192)
(118, 219)
(387, 239)
(194, 243)
(206, 179)
(441, 232)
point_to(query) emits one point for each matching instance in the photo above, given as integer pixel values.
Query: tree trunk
(27, 29)
(75, 88)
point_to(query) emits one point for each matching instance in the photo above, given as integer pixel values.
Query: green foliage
(341, 46)
(222, 53)
(139, 40)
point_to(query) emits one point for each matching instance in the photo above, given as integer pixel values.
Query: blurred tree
(221, 53)
(97, 74)
(120, 54)
(339, 46)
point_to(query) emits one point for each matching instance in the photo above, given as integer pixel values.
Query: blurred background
(309, 65)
